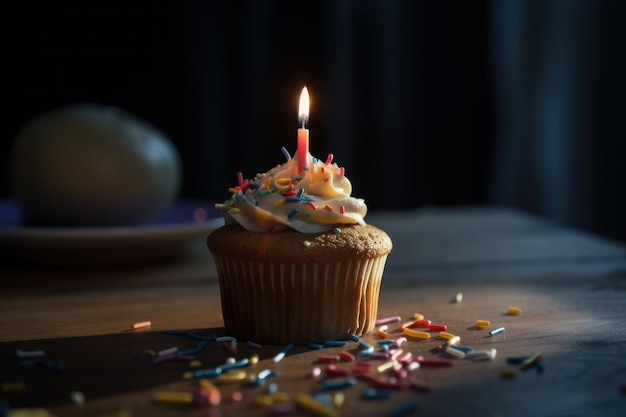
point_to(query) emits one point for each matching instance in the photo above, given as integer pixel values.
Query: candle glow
(303, 132)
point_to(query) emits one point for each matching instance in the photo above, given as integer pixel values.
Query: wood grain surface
(569, 284)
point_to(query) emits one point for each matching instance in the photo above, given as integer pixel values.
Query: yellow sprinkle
(417, 334)
(338, 399)
(254, 359)
(233, 191)
(195, 364)
(315, 407)
(173, 397)
(453, 340)
(508, 372)
(483, 323)
(187, 375)
(530, 362)
(418, 316)
(279, 202)
(514, 311)
(445, 335)
(232, 375)
(386, 366)
(280, 397)
(265, 400)
(149, 352)
(283, 181)
(234, 210)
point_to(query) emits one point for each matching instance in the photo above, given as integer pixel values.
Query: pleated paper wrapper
(282, 303)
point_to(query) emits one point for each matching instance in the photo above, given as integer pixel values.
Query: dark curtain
(559, 83)
(424, 102)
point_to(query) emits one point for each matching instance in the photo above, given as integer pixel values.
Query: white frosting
(314, 200)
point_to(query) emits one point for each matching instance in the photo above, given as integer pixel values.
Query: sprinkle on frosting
(285, 197)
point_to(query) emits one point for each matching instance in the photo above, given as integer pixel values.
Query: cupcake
(296, 261)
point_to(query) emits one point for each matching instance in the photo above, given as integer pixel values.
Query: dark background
(508, 102)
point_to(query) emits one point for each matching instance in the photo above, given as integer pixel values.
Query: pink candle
(303, 132)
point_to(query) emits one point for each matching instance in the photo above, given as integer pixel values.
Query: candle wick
(303, 120)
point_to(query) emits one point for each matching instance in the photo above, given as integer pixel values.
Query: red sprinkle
(342, 209)
(382, 335)
(308, 203)
(440, 327)
(228, 347)
(332, 370)
(434, 362)
(347, 356)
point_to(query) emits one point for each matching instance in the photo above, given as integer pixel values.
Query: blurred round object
(92, 165)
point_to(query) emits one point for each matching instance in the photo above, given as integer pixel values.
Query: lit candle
(303, 132)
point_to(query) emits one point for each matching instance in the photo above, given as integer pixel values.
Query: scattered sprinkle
(496, 331)
(514, 311)
(141, 325)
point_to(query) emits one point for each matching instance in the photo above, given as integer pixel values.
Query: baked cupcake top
(354, 242)
(312, 200)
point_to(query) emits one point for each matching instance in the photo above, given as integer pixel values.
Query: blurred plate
(185, 222)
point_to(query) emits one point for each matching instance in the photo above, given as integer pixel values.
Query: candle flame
(304, 105)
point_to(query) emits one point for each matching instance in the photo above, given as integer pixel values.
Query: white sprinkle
(306, 243)
(459, 297)
(30, 353)
(77, 397)
(168, 351)
(231, 360)
(482, 354)
(450, 350)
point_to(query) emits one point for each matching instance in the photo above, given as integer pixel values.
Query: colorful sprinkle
(496, 331)
(388, 320)
(514, 311)
(254, 345)
(141, 325)
(279, 357)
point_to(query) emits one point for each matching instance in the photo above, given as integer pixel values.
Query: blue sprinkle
(292, 199)
(336, 230)
(272, 388)
(266, 373)
(193, 350)
(292, 213)
(306, 214)
(285, 152)
(496, 331)
(207, 373)
(241, 363)
(385, 348)
(316, 346)
(331, 384)
(514, 360)
(385, 342)
(375, 394)
(354, 337)
(335, 342)
(299, 193)
(462, 348)
(198, 336)
(256, 203)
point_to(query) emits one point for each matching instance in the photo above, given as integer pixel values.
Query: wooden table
(569, 284)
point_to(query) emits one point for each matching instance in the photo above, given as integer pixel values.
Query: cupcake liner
(281, 303)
